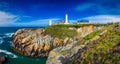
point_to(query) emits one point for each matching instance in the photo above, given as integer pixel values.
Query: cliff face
(85, 30)
(36, 42)
(102, 48)
(65, 54)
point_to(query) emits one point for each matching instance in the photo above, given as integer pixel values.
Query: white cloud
(7, 18)
(39, 22)
(72, 21)
(103, 18)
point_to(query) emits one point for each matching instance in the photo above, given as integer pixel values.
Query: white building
(66, 19)
(50, 22)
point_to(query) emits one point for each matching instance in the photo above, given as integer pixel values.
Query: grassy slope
(102, 50)
(62, 31)
(79, 25)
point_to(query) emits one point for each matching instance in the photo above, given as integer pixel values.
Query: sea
(12, 56)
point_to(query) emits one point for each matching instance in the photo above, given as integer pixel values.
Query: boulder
(2, 59)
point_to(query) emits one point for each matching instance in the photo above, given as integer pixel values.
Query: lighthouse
(66, 19)
(50, 22)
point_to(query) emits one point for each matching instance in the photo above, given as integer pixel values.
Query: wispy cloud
(7, 18)
(42, 22)
(36, 23)
(103, 18)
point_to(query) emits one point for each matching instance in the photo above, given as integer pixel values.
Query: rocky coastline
(97, 50)
(35, 42)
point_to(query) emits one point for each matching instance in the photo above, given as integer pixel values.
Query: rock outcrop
(2, 59)
(36, 42)
(116, 28)
(85, 30)
(65, 54)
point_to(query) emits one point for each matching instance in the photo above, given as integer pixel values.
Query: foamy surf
(8, 53)
(1, 40)
(9, 34)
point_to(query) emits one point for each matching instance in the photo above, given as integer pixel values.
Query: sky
(39, 12)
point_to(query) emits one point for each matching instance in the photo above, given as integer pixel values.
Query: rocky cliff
(36, 42)
(102, 48)
(65, 54)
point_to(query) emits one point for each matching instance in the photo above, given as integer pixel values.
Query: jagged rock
(65, 54)
(34, 42)
(117, 29)
(2, 59)
(83, 31)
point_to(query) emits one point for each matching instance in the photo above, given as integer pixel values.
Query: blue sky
(38, 12)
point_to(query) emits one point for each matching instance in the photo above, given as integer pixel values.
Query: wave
(6, 35)
(9, 34)
(1, 40)
(8, 53)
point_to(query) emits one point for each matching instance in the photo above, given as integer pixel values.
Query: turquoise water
(13, 57)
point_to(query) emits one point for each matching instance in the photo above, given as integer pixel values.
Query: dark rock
(2, 59)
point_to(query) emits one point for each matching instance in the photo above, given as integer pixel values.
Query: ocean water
(14, 57)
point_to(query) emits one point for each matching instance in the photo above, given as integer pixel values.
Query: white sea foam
(9, 34)
(8, 53)
(1, 40)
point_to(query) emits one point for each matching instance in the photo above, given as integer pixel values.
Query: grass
(63, 31)
(78, 25)
(101, 51)
(91, 35)
(60, 31)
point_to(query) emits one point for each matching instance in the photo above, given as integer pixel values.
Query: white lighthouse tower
(50, 22)
(66, 19)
